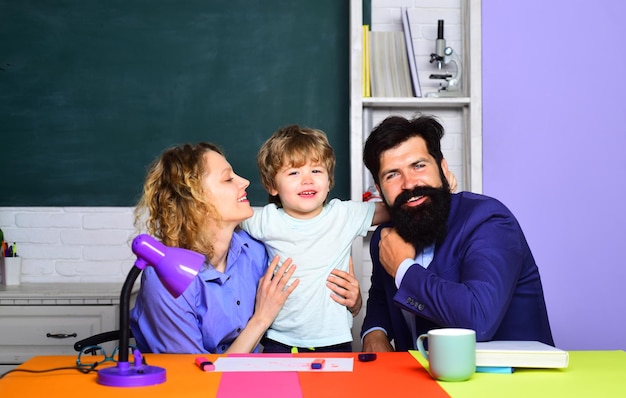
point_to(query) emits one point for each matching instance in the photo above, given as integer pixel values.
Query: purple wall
(554, 137)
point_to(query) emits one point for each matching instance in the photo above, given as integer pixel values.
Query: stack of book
(389, 68)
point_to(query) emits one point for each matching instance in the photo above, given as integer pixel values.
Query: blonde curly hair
(173, 207)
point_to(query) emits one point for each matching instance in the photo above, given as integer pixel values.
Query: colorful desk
(590, 374)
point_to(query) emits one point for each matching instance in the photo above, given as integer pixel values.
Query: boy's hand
(451, 180)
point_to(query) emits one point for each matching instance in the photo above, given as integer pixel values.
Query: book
(410, 52)
(389, 65)
(495, 369)
(520, 354)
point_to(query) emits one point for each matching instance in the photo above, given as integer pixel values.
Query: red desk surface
(394, 375)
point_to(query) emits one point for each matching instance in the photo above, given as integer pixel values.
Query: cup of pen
(12, 270)
(451, 353)
(10, 266)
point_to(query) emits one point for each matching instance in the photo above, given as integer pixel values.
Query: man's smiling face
(407, 166)
(410, 182)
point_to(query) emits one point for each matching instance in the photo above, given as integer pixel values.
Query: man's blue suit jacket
(483, 276)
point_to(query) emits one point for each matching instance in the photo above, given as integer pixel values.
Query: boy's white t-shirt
(310, 317)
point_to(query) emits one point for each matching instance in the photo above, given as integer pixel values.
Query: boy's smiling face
(303, 189)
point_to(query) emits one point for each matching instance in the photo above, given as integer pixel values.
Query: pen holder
(11, 270)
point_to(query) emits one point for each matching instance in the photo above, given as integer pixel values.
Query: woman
(193, 199)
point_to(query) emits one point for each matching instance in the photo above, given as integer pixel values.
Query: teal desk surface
(401, 374)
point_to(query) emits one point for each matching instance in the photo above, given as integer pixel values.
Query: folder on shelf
(520, 354)
(410, 52)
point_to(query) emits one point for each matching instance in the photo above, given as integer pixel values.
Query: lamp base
(128, 375)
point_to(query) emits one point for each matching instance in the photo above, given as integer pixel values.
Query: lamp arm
(125, 313)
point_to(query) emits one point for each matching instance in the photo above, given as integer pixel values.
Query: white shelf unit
(461, 116)
(468, 107)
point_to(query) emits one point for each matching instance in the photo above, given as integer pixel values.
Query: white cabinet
(461, 116)
(47, 319)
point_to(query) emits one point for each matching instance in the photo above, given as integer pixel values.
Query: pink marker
(204, 364)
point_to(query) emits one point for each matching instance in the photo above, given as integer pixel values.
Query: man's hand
(393, 250)
(376, 341)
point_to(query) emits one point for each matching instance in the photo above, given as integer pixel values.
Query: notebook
(520, 354)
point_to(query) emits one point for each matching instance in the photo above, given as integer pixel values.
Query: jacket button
(420, 307)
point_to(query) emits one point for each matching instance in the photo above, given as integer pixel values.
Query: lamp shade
(175, 267)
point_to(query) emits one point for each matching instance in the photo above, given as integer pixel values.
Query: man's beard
(425, 224)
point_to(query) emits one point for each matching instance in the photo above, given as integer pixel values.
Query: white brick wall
(71, 244)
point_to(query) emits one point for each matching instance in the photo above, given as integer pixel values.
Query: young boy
(296, 166)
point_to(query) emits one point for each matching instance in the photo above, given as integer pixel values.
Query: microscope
(451, 87)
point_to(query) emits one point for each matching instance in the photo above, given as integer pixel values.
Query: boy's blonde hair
(294, 146)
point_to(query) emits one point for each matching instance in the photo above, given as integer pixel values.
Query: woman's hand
(273, 290)
(346, 289)
(271, 294)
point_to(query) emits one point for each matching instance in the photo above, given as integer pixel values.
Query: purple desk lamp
(176, 269)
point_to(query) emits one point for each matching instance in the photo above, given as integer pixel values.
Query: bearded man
(445, 260)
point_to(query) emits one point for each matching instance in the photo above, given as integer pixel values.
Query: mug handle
(420, 345)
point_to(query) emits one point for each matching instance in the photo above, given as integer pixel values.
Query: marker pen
(367, 357)
(317, 364)
(204, 364)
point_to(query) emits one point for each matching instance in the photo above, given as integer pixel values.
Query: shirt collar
(210, 274)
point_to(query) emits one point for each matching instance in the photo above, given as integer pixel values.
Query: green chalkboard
(92, 91)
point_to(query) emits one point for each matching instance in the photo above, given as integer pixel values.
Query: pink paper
(259, 385)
